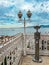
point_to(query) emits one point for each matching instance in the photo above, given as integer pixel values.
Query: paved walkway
(28, 61)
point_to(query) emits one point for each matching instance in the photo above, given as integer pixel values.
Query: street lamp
(29, 14)
(20, 18)
(20, 14)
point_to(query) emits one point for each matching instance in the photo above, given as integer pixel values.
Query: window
(48, 42)
(48, 45)
(42, 44)
(10, 63)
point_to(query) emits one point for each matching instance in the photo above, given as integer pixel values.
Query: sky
(10, 8)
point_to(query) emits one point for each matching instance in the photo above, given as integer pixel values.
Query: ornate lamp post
(37, 38)
(20, 18)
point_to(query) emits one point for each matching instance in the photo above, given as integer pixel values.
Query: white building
(16, 47)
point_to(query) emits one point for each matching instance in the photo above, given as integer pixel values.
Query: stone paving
(28, 61)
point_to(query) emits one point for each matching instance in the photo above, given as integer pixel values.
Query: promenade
(28, 60)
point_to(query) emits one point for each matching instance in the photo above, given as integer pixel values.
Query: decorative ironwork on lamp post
(20, 18)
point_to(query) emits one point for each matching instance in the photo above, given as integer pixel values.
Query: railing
(10, 46)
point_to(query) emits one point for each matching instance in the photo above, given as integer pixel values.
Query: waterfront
(14, 31)
(24, 32)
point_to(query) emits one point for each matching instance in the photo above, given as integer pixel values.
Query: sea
(29, 30)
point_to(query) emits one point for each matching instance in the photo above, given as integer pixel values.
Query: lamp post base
(38, 61)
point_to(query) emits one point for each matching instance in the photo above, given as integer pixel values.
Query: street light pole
(20, 16)
(24, 28)
(24, 37)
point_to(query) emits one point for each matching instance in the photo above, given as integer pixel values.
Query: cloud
(43, 15)
(6, 3)
(10, 8)
(26, 6)
(35, 7)
(41, 0)
(14, 25)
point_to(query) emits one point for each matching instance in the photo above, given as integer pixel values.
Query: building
(15, 48)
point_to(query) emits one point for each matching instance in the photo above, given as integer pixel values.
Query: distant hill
(43, 26)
